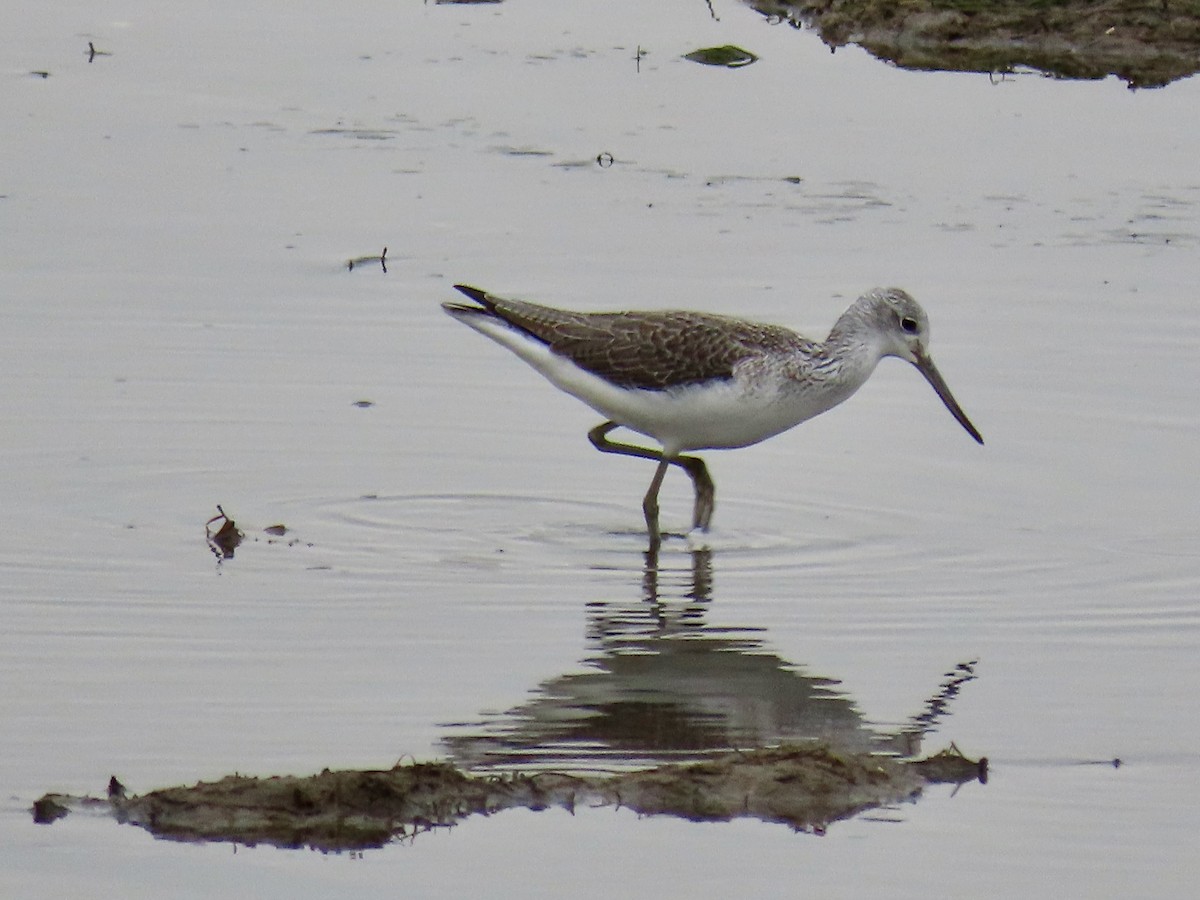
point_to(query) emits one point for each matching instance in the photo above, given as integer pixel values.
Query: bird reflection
(664, 685)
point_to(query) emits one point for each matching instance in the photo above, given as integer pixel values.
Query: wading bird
(698, 381)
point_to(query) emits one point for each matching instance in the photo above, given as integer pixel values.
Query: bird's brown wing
(649, 350)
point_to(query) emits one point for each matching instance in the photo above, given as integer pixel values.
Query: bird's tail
(485, 301)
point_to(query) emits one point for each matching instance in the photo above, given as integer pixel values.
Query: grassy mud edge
(803, 787)
(1147, 43)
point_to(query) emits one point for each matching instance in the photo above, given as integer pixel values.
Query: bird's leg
(650, 505)
(702, 483)
(599, 438)
(702, 510)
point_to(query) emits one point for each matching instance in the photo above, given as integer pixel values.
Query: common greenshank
(698, 381)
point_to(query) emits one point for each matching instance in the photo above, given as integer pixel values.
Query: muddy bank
(1147, 44)
(806, 788)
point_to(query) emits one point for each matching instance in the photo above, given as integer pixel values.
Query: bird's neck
(851, 351)
(850, 325)
(853, 339)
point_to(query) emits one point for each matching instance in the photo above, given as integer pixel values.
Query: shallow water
(462, 572)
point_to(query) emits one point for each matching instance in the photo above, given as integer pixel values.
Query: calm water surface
(462, 574)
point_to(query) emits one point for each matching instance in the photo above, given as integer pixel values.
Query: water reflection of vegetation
(1147, 45)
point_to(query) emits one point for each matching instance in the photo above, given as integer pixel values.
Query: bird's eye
(909, 324)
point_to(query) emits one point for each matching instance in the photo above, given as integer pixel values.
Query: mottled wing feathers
(656, 350)
(649, 350)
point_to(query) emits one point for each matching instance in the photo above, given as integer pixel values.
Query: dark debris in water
(952, 766)
(804, 787)
(223, 535)
(48, 809)
(729, 56)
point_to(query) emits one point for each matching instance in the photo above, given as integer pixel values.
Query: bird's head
(902, 327)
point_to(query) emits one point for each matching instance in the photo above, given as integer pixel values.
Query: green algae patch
(729, 56)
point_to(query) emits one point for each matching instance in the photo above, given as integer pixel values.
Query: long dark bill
(934, 377)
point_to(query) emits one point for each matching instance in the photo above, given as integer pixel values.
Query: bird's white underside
(714, 415)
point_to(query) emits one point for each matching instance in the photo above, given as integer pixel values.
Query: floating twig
(358, 261)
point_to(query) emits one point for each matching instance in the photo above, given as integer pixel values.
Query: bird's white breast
(760, 401)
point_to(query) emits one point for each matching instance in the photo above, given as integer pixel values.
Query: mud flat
(804, 787)
(1147, 44)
